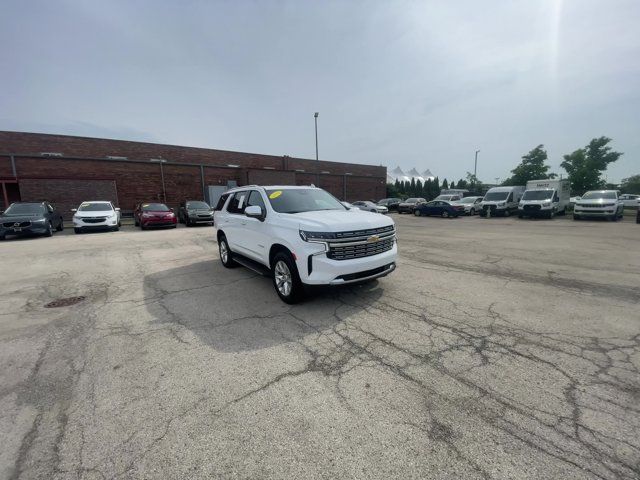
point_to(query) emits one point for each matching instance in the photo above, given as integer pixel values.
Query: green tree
(462, 183)
(532, 167)
(631, 184)
(445, 184)
(392, 190)
(585, 165)
(418, 188)
(412, 187)
(452, 184)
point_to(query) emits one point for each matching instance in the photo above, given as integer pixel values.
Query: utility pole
(161, 161)
(315, 117)
(475, 166)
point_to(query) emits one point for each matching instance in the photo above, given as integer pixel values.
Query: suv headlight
(546, 204)
(316, 236)
(501, 204)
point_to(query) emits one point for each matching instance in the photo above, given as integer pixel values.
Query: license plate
(17, 229)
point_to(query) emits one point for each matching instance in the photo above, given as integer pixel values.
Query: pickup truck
(302, 236)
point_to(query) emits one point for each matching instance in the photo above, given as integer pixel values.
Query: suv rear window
(238, 202)
(221, 201)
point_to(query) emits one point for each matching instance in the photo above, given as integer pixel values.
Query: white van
(545, 198)
(501, 201)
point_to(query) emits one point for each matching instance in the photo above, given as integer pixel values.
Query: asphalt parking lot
(500, 348)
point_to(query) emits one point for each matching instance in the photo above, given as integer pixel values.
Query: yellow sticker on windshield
(85, 204)
(275, 194)
(145, 205)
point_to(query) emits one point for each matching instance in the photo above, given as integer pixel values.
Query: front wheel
(286, 280)
(60, 226)
(445, 214)
(77, 230)
(472, 212)
(576, 217)
(417, 213)
(49, 232)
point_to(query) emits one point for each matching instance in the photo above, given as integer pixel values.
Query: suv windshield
(412, 200)
(154, 207)
(496, 196)
(199, 205)
(596, 195)
(25, 209)
(95, 207)
(297, 200)
(537, 194)
(467, 200)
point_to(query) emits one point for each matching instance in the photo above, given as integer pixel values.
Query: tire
(576, 217)
(136, 223)
(445, 214)
(60, 227)
(142, 227)
(550, 215)
(226, 256)
(2, 237)
(77, 230)
(614, 217)
(507, 212)
(187, 222)
(472, 212)
(49, 232)
(116, 228)
(417, 213)
(520, 215)
(286, 280)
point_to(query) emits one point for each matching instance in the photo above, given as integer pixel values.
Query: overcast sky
(416, 84)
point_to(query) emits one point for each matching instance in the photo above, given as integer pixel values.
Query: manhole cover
(64, 302)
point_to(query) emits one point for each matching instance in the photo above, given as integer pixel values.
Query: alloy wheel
(283, 278)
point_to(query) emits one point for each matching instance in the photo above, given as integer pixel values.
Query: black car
(409, 204)
(30, 218)
(192, 212)
(390, 203)
(439, 208)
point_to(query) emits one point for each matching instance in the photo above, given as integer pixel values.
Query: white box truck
(545, 198)
(501, 201)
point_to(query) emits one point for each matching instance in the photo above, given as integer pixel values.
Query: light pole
(475, 166)
(315, 117)
(161, 161)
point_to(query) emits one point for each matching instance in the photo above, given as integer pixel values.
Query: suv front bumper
(317, 269)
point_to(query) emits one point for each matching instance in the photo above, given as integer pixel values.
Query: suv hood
(97, 213)
(339, 221)
(21, 218)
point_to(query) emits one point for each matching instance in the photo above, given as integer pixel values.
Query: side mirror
(172, 209)
(253, 211)
(74, 209)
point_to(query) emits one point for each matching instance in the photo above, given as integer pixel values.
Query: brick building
(66, 170)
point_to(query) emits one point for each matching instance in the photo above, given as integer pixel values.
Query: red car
(148, 215)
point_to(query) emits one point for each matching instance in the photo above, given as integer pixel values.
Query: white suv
(302, 236)
(599, 203)
(96, 215)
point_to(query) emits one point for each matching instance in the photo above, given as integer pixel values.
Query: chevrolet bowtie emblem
(373, 238)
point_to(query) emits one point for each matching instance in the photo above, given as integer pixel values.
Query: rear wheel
(225, 253)
(576, 217)
(507, 212)
(286, 280)
(60, 226)
(417, 213)
(444, 214)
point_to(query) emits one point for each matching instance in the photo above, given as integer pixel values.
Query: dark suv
(192, 212)
(30, 218)
(390, 203)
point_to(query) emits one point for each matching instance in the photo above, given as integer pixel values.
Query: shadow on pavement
(238, 310)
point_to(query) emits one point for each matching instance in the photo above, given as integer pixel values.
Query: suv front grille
(365, 233)
(13, 224)
(531, 208)
(93, 219)
(359, 249)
